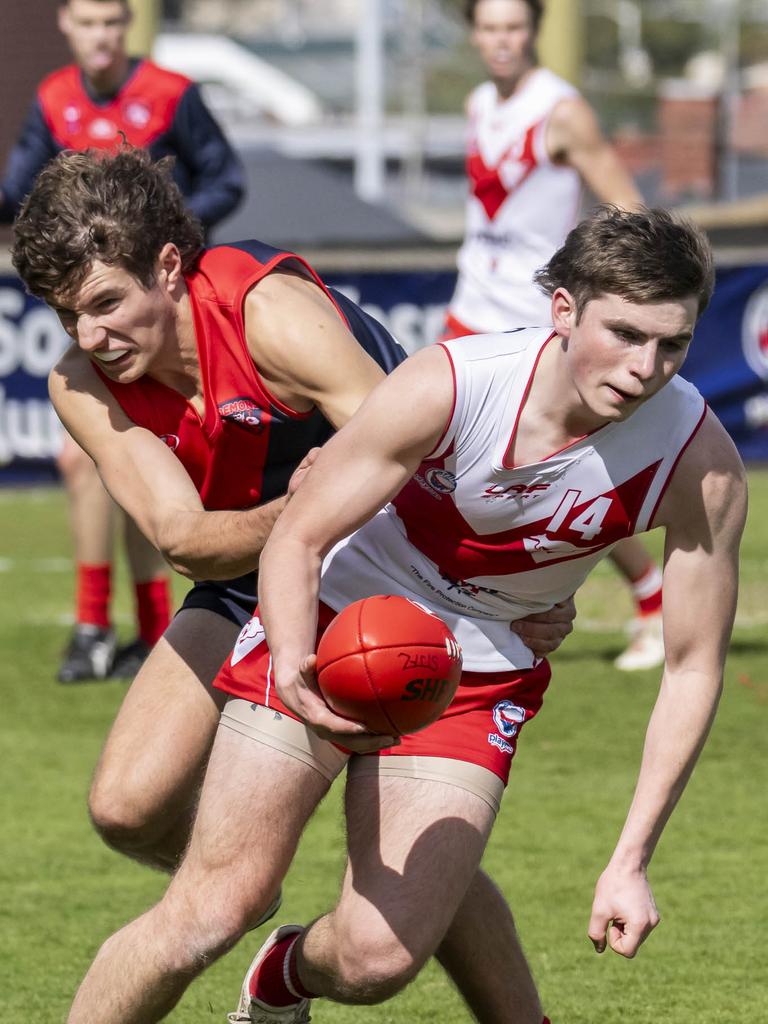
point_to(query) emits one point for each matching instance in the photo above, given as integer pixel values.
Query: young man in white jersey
(533, 144)
(512, 466)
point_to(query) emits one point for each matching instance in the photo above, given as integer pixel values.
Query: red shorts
(453, 328)
(481, 725)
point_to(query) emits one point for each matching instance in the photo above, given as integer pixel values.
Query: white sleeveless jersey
(519, 209)
(481, 542)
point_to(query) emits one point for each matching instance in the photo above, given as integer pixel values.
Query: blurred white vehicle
(237, 84)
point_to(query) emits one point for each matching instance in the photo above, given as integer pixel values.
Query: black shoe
(89, 654)
(129, 659)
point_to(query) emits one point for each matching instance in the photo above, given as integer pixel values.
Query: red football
(388, 663)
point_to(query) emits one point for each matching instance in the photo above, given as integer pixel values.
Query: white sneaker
(253, 1011)
(646, 647)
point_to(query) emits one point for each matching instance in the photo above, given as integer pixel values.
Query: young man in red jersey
(534, 144)
(102, 96)
(198, 381)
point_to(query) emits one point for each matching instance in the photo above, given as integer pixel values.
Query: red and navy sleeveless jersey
(244, 449)
(142, 109)
(154, 109)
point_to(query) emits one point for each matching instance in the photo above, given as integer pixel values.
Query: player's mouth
(101, 59)
(112, 356)
(503, 59)
(625, 396)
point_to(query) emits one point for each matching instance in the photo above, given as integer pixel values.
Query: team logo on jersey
(172, 440)
(754, 332)
(71, 116)
(513, 490)
(441, 480)
(102, 128)
(251, 635)
(246, 411)
(137, 113)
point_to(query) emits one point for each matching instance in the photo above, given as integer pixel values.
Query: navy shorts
(234, 599)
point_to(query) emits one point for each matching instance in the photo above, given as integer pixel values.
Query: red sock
(546, 1021)
(153, 608)
(276, 982)
(94, 586)
(646, 591)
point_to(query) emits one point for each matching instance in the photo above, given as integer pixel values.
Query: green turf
(62, 892)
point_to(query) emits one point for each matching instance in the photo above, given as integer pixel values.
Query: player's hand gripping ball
(388, 663)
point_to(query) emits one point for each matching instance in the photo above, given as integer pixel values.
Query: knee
(211, 912)
(374, 966)
(122, 822)
(74, 464)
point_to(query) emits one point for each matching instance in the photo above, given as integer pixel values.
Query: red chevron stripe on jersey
(486, 182)
(447, 538)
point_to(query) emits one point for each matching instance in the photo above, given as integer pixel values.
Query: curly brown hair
(120, 208)
(647, 255)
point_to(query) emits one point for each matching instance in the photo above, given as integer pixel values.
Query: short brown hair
(120, 208)
(126, 4)
(536, 8)
(643, 256)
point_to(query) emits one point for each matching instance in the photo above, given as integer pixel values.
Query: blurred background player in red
(91, 104)
(533, 144)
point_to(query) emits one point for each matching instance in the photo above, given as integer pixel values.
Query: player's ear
(62, 18)
(169, 268)
(564, 313)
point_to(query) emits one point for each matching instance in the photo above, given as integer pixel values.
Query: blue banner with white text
(728, 361)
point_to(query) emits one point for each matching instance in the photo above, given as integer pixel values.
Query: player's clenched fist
(623, 912)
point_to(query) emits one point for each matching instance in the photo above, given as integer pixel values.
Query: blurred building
(25, 57)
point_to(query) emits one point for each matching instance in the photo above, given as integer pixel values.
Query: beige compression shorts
(279, 731)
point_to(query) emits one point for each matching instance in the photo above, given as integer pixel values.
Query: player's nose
(90, 334)
(644, 361)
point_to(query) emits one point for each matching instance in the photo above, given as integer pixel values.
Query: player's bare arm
(298, 342)
(574, 138)
(355, 474)
(147, 480)
(704, 512)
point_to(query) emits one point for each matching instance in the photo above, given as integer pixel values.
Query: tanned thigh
(253, 807)
(156, 751)
(414, 847)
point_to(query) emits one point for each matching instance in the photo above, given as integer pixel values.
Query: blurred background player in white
(533, 143)
(103, 95)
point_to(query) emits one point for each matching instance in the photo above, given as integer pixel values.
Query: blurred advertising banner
(31, 340)
(728, 361)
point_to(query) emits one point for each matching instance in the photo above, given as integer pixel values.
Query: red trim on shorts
(453, 328)
(481, 726)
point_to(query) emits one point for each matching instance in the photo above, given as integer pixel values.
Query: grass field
(62, 892)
